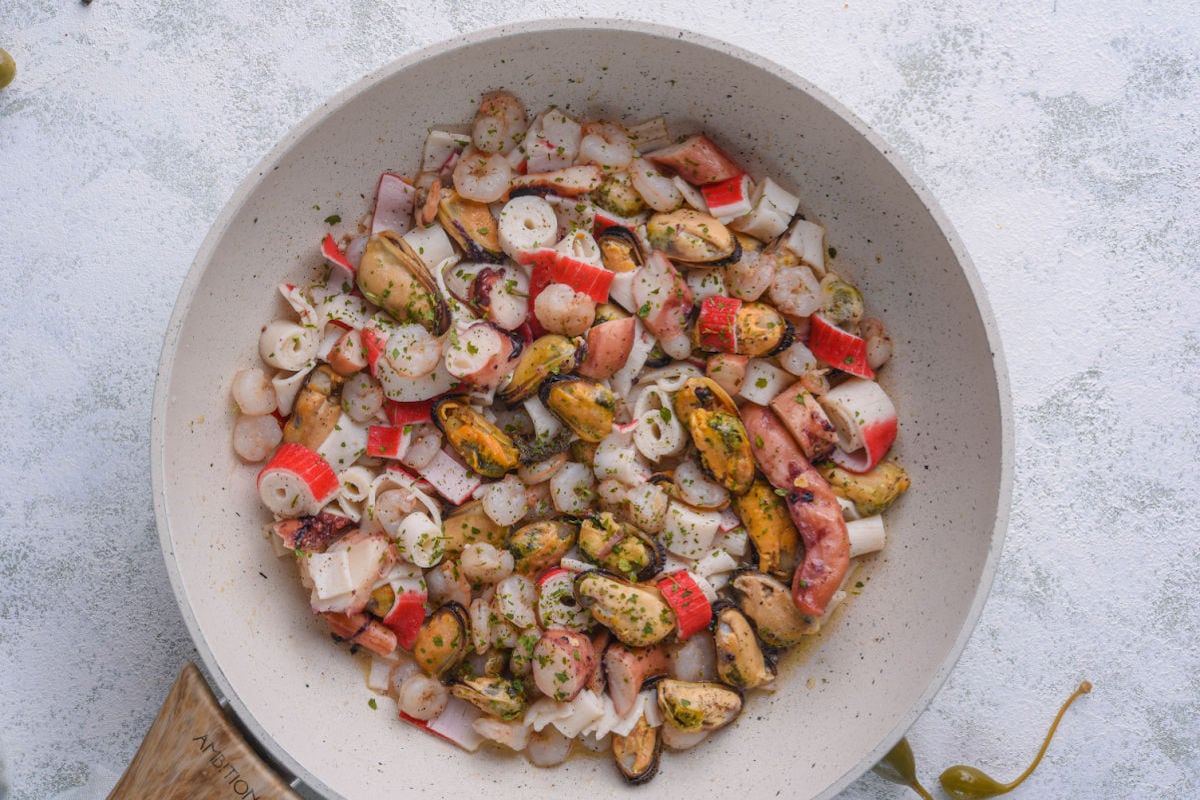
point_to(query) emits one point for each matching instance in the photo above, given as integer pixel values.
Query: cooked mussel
(586, 406)
(470, 524)
(442, 640)
(392, 276)
(492, 695)
(769, 525)
(724, 448)
(484, 447)
(549, 355)
(635, 613)
(695, 707)
(620, 249)
(841, 303)
(767, 602)
(317, 409)
(740, 659)
(871, 492)
(620, 547)
(539, 545)
(471, 225)
(637, 754)
(762, 331)
(693, 238)
(701, 393)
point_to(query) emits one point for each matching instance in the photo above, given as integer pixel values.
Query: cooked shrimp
(796, 291)
(879, 344)
(751, 275)
(605, 145)
(255, 438)
(482, 177)
(499, 123)
(563, 310)
(253, 392)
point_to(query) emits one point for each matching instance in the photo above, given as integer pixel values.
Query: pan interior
(840, 702)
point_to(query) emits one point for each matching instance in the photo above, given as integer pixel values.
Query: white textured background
(1060, 136)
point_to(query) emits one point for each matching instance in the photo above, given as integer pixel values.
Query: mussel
(442, 640)
(551, 354)
(616, 194)
(769, 525)
(635, 613)
(710, 416)
(871, 492)
(620, 547)
(693, 238)
(470, 524)
(767, 602)
(694, 707)
(759, 330)
(620, 249)
(637, 754)
(392, 276)
(741, 662)
(317, 409)
(841, 303)
(539, 545)
(724, 448)
(493, 695)
(484, 447)
(471, 225)
(586, 406)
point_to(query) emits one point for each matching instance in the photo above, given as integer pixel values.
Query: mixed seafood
(575, 437)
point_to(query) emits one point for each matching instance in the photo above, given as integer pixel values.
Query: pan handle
(193, 751)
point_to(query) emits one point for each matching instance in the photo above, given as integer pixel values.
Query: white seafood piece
(499, 123)
(420, 540)
(513, 735)
(649, 135)
(697, 489)
(647, 506)
(440, 147)
(796, 291)
(616, 458)
(432, 245)
(606, 145)
(806, 240)
(504, 500)
(572, 488)
(515, 601)
(482, 177)
(658, 433)
(705, 283)
(481, 355)
(764, 381)
(288, 345)
(689, 532)
(552, 141)
(345, 444)
(658, 190)
(526, 224)
(394, 200)
(798, 359)
(867, 535)
(422, 697)
(253, 393)
(287, 386)
(773, 208)
(256, 437)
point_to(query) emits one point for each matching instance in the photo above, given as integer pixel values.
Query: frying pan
(842, 701)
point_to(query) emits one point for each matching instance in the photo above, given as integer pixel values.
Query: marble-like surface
(1060, 137)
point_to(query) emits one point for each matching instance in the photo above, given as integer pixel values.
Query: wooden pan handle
(193, 752)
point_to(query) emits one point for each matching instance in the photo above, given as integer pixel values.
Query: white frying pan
(848, 696)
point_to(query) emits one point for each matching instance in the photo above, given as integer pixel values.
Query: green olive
(899, 766)
(8, 68)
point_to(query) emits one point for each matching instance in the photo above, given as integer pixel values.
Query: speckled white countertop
(1060, 136)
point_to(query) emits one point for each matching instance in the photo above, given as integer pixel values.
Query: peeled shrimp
(362, 397)
(750, 276)
(796, 291)
(563, 310)
(499, 123)
(255, 438)
(482, 177)
(253, 392)
(605, 145)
